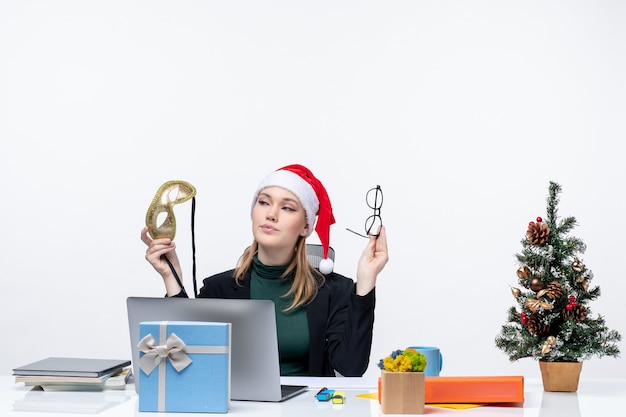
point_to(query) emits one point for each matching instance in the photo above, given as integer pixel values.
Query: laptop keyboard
(287, 390)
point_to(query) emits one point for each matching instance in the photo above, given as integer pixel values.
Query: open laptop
(255, 371)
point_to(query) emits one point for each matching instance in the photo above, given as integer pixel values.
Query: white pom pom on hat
(313, 196)
(326, 265)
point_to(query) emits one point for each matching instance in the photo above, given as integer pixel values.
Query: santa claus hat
(313, 197)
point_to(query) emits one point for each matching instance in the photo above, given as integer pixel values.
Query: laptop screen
(255, 371)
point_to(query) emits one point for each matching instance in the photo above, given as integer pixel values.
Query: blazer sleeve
(349, 327)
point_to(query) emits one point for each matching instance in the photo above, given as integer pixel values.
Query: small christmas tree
(554, 322)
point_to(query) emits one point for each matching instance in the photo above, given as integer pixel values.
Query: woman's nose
(271, 214)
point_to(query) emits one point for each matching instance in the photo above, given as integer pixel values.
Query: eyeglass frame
(376, 207)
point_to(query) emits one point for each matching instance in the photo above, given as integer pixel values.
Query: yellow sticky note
(374, 396)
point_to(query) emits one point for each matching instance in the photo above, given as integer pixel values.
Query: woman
(324, 320)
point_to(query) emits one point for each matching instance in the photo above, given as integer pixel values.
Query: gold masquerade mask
(168, 195)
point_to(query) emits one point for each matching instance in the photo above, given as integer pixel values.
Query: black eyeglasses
(374, 200)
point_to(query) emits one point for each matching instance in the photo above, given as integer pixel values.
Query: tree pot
(560, 376)
(402, 392)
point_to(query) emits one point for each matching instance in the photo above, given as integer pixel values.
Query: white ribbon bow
(154, 354)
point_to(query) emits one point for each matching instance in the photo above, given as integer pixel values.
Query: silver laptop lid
(255, 371)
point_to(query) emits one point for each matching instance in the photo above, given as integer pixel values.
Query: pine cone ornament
(553, 290)
(536, 325)
(538, 233)
(577, 312)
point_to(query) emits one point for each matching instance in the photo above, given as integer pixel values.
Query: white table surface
(595, 398)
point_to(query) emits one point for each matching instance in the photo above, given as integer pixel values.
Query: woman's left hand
(372, 261)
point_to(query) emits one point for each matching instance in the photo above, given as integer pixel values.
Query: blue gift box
(184, 366)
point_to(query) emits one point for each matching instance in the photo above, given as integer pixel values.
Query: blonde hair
(305, 282)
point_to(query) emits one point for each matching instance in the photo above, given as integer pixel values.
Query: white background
(462, 111)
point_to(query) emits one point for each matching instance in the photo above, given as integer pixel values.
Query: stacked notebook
(75, 374)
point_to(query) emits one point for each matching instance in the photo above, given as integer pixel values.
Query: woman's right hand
(155, 255)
